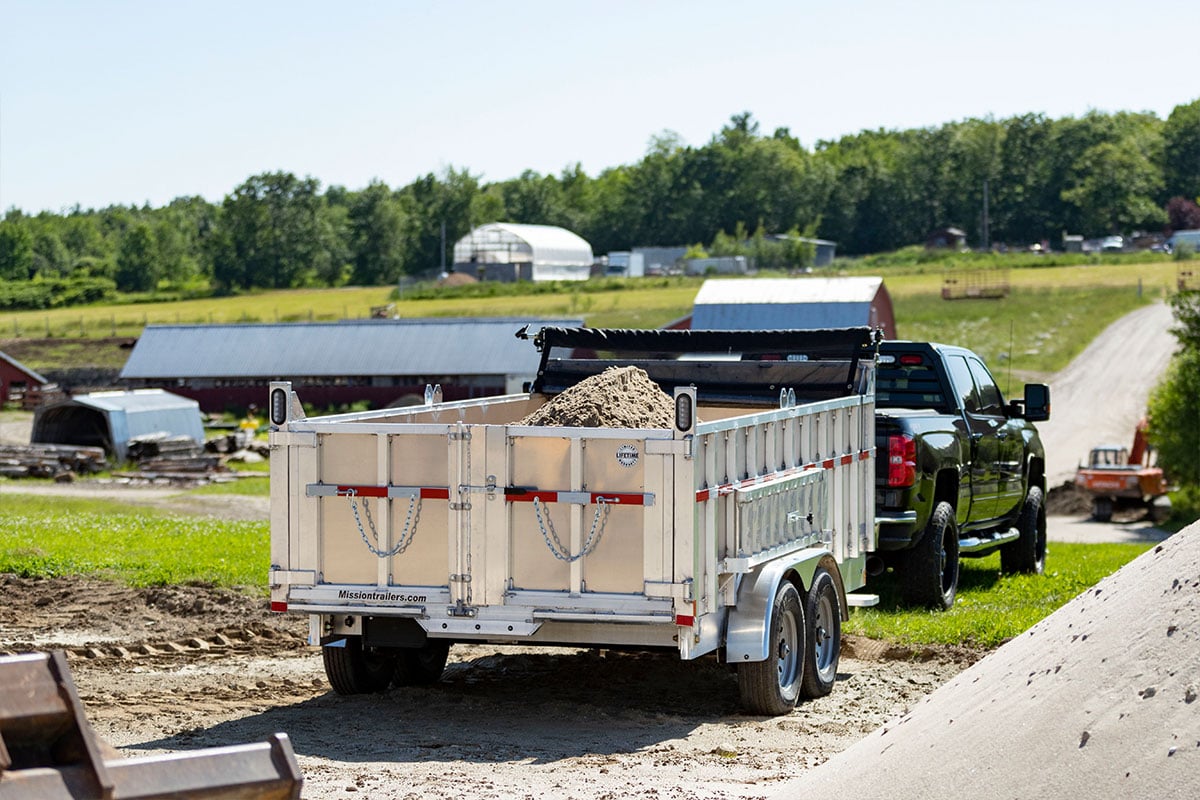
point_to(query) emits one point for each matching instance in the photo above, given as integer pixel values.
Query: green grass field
(992, 607)
(53, 536)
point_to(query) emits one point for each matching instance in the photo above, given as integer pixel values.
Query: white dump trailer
(739, 530)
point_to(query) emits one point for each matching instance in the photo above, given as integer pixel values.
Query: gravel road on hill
(1102, 394)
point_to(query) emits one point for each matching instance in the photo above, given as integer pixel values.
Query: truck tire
(1102, 508)
(418, 666)
(823, 644)
(930, 577)
(772, 687)
(352, 670)
(1027, 554)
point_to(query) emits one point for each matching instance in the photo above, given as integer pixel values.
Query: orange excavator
(1119, 477)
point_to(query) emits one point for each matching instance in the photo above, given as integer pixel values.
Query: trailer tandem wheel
(824, 640)
(772, 687)
(417, 666)
(353, 670)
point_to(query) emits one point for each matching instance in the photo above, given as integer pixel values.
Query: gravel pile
(619, 397)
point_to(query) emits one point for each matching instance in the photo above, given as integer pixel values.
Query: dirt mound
(1068, 500)
(1096, 700)
(619, 397)
(96, 611)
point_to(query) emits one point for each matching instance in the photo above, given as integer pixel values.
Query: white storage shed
(111, 419)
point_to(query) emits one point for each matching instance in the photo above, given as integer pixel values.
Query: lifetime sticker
(627, 455)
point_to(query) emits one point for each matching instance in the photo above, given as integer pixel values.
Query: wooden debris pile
(50, 460)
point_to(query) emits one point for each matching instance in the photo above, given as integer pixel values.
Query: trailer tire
(823, 644)
(1027, 554)
(352, 670)
(772, 687)
(1102, 509)
(931, 569)
(418, 666)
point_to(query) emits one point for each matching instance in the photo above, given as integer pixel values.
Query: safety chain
(406, 536)
(589, 544)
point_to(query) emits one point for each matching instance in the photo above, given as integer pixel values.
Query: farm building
(504, 251)
(780, 303)
(17, 380)
(382, 362)
(111, 419)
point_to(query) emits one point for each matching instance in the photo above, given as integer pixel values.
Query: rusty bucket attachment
(48, 750)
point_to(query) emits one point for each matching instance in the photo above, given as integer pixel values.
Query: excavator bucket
(48, 750)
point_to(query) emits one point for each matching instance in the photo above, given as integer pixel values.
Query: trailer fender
(748, 622)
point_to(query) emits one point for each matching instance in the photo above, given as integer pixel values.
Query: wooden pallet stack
(49, 460)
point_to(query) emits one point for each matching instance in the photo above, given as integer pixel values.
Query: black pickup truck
(959, 472)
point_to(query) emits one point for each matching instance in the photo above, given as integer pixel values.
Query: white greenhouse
(507, 251)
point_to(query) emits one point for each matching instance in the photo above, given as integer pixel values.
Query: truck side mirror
(1037, 402)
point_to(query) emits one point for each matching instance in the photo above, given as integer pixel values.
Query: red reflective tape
(685, 621)
(363, 491)
(278, 608)
(434, 493)
(528, 496)
(828, 464)
(703, 495)
(847, 460)
(864, 455)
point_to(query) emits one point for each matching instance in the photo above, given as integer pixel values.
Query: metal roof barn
(793, 303)
(379, 361)
(111, 419)
(534, 252)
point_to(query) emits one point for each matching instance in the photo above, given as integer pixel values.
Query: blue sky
(134, 102)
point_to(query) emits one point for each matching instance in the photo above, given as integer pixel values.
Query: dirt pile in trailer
(619, 397)
(1100, 699)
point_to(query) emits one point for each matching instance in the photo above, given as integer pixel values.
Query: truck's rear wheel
(1102, 508)
(930, 576)
(353, 670)
(824, 640)
(417, 666)
(1028, 553)
(772, 687)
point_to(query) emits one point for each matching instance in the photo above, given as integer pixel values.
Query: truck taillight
(902, 461)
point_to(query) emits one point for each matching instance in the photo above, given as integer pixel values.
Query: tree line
(873, 191)
(1174, 405)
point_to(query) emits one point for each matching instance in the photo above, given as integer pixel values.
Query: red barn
(17, 380)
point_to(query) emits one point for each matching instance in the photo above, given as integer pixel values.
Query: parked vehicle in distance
(1117, 477)
(959, 472)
